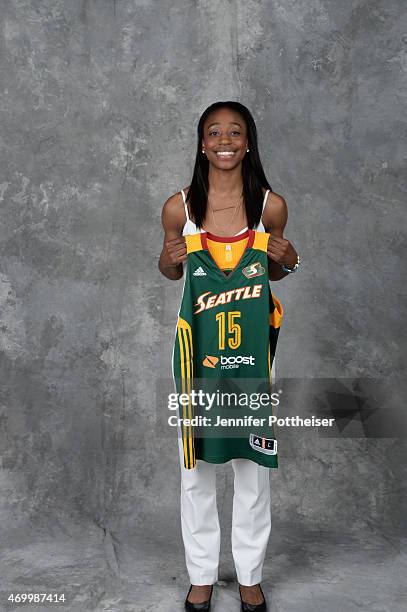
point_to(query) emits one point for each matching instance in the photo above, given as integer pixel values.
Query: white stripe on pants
(251, 520)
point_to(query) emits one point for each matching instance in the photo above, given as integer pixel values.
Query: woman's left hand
(281, 251)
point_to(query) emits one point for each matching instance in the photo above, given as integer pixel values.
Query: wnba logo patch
(255, 269)
(210, 361)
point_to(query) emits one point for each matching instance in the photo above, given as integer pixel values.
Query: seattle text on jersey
(242, 293)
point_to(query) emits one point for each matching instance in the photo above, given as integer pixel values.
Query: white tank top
(191, 228)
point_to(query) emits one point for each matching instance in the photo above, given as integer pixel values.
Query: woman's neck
(225, 182)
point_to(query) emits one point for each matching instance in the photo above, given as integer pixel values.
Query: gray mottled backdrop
(99, 102)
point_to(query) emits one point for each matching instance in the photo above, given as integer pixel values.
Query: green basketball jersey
(226, 338)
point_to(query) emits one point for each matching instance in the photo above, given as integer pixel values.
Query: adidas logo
(199, 272)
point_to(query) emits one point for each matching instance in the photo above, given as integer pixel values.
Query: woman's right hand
(174, 251)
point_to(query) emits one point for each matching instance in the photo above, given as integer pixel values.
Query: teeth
(225, 153)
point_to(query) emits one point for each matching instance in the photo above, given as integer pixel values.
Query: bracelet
(294, 269)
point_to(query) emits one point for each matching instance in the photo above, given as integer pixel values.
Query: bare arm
(174, 251)
(279, 251)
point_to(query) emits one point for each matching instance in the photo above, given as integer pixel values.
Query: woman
(228, 195)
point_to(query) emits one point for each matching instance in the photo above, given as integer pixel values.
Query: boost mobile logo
(227, 363)
(210, 361)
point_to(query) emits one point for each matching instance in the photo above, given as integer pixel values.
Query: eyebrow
(231, 123)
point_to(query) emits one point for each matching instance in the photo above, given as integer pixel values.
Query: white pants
(251, 520)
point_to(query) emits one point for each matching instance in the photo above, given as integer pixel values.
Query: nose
(225, 138)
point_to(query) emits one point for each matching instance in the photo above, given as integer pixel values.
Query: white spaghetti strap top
(191, 228)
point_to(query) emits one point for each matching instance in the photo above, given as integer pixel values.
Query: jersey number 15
(234, 330)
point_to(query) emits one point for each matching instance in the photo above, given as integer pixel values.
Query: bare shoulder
(275, 211)
(275, 201)
(173, 212)
(174, 202)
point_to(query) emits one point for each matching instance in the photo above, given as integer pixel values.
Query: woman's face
(224, 131)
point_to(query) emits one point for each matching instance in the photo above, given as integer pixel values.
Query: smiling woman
(227, 153)
(223, 145)
(229, 193)
(228, 230)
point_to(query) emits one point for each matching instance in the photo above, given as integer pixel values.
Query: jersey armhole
(261, 241)
(193, 243)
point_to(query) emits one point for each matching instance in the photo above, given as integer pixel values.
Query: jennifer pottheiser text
(248, 421)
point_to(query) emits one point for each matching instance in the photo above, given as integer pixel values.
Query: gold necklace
(234, 214)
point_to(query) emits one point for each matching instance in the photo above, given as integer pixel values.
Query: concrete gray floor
(304, 572)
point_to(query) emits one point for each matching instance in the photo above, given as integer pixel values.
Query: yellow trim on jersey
(181, 350)
(183, 324)
(186, 358)
(275, 319)
(277, 315)
(193, 242)
(188, 409)
(260, 241)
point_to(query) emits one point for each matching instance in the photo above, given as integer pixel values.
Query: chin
(226, 164)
